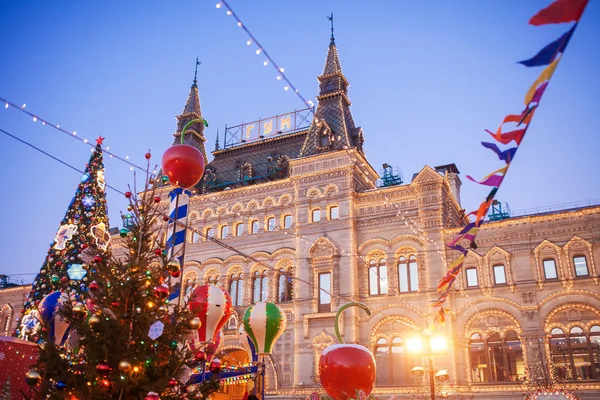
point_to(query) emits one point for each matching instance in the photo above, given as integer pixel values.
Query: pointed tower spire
(217, 141)
(195, 133)
(332, 127)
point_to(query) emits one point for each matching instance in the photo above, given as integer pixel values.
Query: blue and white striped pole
(178, 212)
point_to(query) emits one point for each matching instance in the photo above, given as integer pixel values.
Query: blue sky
(427, 77)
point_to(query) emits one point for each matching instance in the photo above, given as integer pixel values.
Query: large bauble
(183, 164)
(346, 368)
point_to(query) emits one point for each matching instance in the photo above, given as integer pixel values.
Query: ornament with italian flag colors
(264, 323)
(212, 305)
(347, 369)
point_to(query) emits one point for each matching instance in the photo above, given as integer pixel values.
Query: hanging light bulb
(281, 70)
(24, 105)
(286, 88)
(258, 51)
(34, 119)
(6, 105)
(239, 24)
(229, 12)
(219, 5)
(278, 77)
(249, 42)
(265, 63)
(74, 133)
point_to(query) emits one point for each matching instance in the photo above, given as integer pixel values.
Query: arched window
(209, 233)
(408, 274)
(239, 229)
(287, 221)
(334, 212)
(224, 231)
(496, 359)
(550, 269)
(195, 237)
(259, 287)
(254, 227)
(580, 265)
(393, 362)
(580, 354)
(285, 285)
(236, 289)
(559, 354)
(271, 224)
(378, 282)
(212, 280)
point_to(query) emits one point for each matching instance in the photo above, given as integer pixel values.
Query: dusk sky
(427, 77)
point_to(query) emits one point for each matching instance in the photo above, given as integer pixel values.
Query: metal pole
(431, 372)
(264, 370)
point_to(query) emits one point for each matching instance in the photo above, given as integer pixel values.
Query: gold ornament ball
(94, 319)
(33, 377)
(195, 323)
(79, 308)
(125, 366)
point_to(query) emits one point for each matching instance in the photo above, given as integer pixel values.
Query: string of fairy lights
(260, 49)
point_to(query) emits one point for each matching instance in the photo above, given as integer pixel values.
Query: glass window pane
(256, 291)
(239, 230)
(240, 291)
(254, 226)
(383, 280)
(472, 280)
(287, 221)
(316, 215)
(224, 231)
(265, 289)
(233, 291)
(209, 232)
(550, 269)
(324, 283)
(581, 268)
(271, 224)
(403, 277)
(373, 280)
(334, 212)
(414, 276)
(499, 274)
(195, 237)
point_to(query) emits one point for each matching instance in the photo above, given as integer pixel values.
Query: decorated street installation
(512, 128)
(79, 250)
(247, 344)
(264, 322)
(183, 167)
(347, 371)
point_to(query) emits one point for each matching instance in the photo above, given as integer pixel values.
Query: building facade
(306, 224)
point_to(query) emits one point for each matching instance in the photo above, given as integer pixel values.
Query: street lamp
(434, 344)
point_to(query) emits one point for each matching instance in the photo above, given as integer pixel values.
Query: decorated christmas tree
(126, 340)
(80, 247)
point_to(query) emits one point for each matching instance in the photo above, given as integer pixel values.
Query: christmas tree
(79, 249)
(126, 341)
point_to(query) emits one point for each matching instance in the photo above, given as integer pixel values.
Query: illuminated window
(271, 224)
(324, 292)
(285, 285)
(239, 229)
(378, 282)
(334, 212)
(236, 289)
(287, 221)
(224, 231)
(574, 356)
(195, 237)
(499, 274)
(393, 362)
(254, 227)
(581, 268)
(472, 280)
(408, 274)
(316, 215)
(495, 359)
(550, 268)
(259, 287)
(209, 232)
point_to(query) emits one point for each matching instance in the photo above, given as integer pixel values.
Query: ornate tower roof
(194, 135)
(332, 127)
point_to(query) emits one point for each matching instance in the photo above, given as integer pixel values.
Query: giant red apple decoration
(183, 164)
(345, 369)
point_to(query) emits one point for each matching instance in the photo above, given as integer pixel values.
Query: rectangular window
(373, 280)
(325, 297)
(224, 231)
(403, 277)
(287, 221)
(195, 237)
(581, 268)
(550, 269)
(334, 212)
(209, 232)
(472, 280)
(254, 227)
(316, 215)
(239, 229)
(413, 275)
(499, 274)
(271, 224)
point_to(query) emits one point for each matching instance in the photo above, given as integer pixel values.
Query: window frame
(237, 229)
(503, 272)
(378, 266)
(587, 268)
(324, 307)
(467, 277)
(285, 216)
(288, 290)
(545, 270)
(408, 261)
(312, 215)
(252, 226)
(261, 278)
(209, 232)
(329, 212)
(270, 223)
(226, 229)
(237, 297)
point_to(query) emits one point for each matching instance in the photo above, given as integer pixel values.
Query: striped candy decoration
(178, 211)
(212, 305)
(264, 322)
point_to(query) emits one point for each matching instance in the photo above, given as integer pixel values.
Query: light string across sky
(261, 50)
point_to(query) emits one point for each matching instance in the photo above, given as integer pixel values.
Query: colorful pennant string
(559, 11)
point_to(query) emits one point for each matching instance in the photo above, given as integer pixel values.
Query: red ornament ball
(152, 396)
(215, 366)
(84, 246)
(128, 194)
(165, 218)
(183, 164)
(148, 156)
(161, 292)
(157, 199)
(98, 259)
(64, 279)
(58, 263)
(115, 304)
(173, 382)
(157, 252)
(176, 273)
(200, 356)
(94, 286)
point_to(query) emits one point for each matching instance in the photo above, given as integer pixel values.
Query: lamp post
(433, 344)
